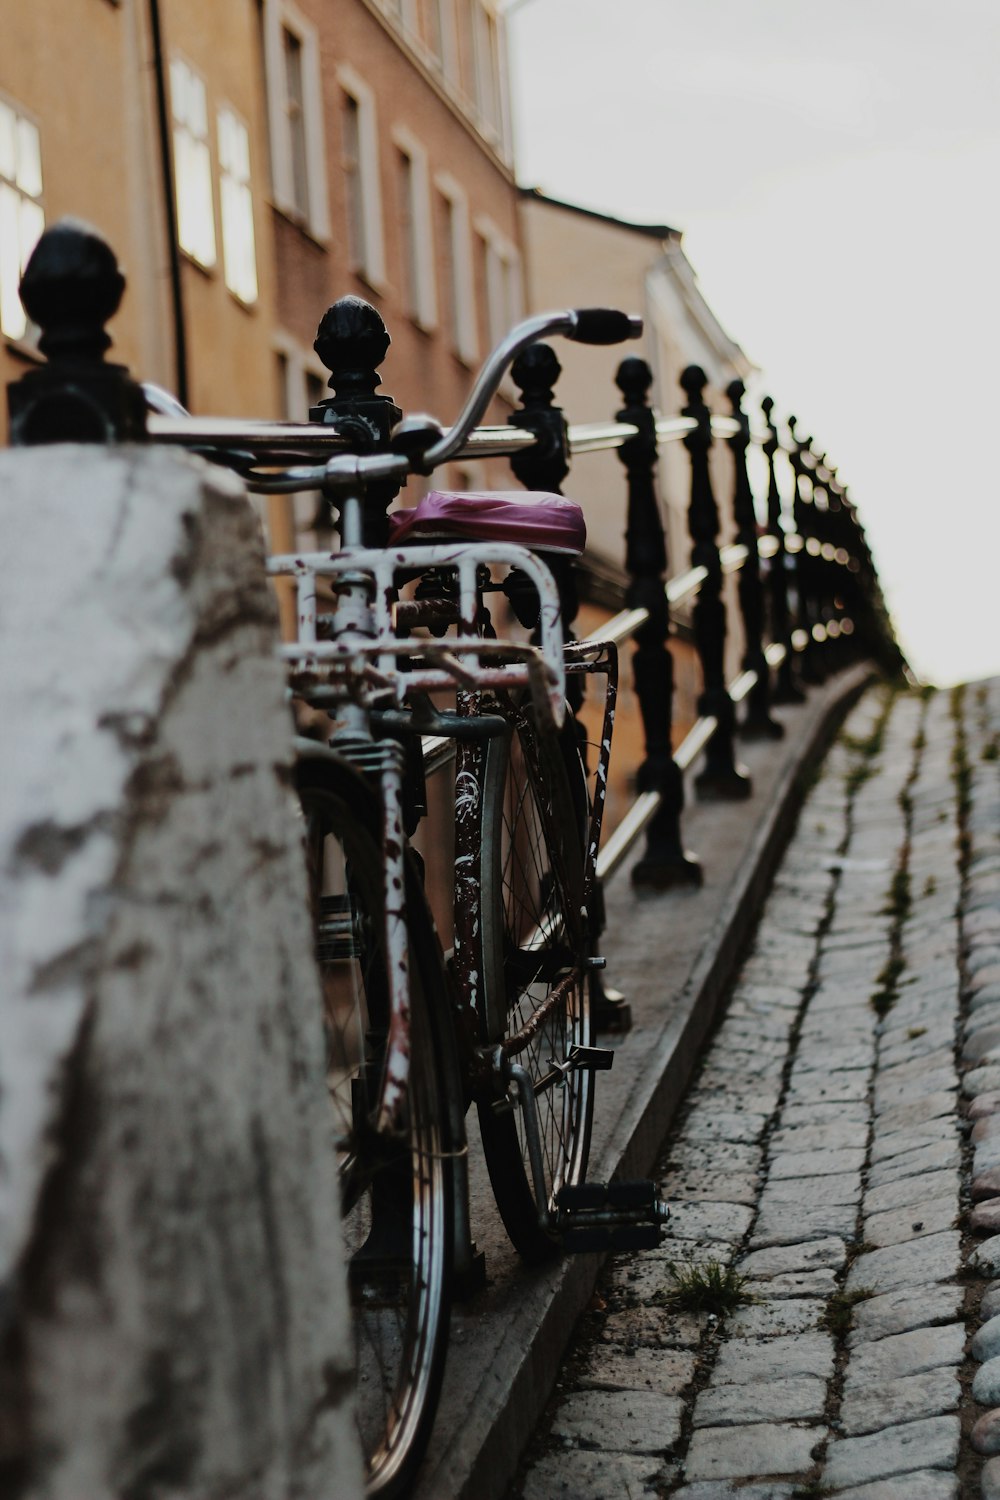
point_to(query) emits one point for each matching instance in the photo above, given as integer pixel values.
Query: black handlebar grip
(604, 325)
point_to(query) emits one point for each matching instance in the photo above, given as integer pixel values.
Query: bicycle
(412, 1040)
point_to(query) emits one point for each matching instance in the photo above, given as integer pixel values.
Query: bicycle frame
(359, 669)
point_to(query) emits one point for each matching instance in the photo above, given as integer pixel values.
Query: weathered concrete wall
(172, 1306)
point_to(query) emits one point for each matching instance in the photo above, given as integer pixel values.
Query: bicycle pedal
(596, 1059)
(582, 1195)
(597, 1216)
(640, 1194)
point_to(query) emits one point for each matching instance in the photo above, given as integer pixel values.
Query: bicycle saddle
(538, 521)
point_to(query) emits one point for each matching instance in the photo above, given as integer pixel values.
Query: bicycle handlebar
(587, 325)
(420, 443)
(604, 325)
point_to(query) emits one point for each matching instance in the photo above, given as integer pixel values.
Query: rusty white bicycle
(414, 1038)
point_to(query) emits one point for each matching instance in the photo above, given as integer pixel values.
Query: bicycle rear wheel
(396, 1192)
(533, 811)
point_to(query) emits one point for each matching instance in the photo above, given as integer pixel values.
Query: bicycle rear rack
(364, 664)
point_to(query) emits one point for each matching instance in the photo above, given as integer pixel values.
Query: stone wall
(173, 1315)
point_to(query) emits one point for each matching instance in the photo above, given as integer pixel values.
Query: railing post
(352, 341)
(826, 568)
(720, 779)
(758, 723)
(545, 465)
(665, 863)
(839, 535)
(72, 286)
(802, 514)
(786, 686)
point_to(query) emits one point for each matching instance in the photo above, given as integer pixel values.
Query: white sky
(835, 168)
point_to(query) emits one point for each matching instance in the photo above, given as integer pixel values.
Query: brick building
(252, 160)
(392, 179)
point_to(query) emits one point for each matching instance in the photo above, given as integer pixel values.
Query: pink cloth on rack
(538, 521)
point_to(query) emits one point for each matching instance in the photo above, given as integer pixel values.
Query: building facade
(583, 258)
(252, 160)
(146, 119)
(393, 180)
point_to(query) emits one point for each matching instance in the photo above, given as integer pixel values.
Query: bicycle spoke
(395, 1204)
(538, 853)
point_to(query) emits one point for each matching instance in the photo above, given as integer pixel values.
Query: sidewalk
(674, 956)
(823, 1155)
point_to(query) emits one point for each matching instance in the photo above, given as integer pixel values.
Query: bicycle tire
(396, 1197)
(532, 828)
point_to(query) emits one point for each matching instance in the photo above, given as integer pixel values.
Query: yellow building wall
(84, 74)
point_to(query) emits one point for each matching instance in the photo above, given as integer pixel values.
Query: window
(457, 267)
(431, 30)
(238, 250)
(416, 234)
(502, 278)
(472, 60)
(352, 180)
(484, 48)
(295, 120)
(192, 164)
(302, 385)
(466, 73)
(22, 218)
(445, 10)
(361, 174)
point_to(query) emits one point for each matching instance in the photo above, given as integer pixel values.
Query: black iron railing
(808, 591)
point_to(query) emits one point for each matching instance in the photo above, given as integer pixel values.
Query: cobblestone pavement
(840, 1152)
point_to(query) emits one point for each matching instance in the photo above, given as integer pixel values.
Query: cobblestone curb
(820, 1158)
(975, 772)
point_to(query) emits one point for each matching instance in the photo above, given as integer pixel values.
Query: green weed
(711, 1287)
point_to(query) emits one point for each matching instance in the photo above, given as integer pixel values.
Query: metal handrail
(597, 437)
(277, 442)
(647, 804)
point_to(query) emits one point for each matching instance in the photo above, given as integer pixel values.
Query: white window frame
(280, 16)
(22, 220)
(462, 291)
(422, 293)
(504, 280)
(450, 67)
(487, 78)
(234, 186)
(192, 154)
(300, 361)
(370, 260)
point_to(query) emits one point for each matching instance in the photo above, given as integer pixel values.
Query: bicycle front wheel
(396, 1191)
(534, 993)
